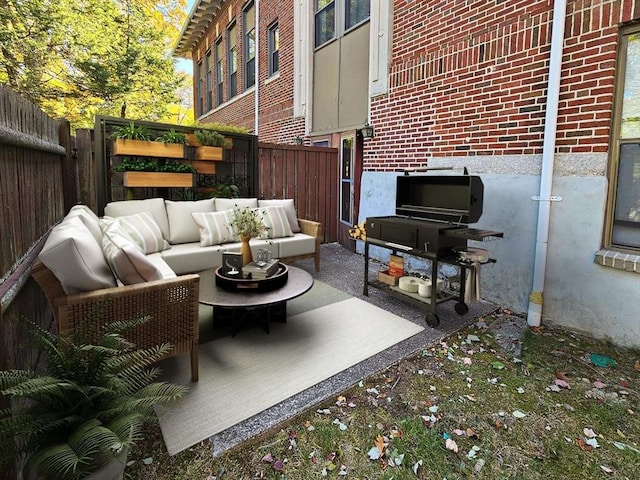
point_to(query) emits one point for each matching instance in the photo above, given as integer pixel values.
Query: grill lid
(450, 198)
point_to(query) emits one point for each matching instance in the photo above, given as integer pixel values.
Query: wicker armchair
(172, 305)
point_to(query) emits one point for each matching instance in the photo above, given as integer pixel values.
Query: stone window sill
(620, 261)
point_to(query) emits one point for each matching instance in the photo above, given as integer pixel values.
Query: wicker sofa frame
(313, 229)
(172, 305)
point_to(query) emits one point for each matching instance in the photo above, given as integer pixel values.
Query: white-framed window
(623, 216)
(232, 60)
(333, 18)
(249, 25)
(273, 42)
(219, 72)
(347, 161)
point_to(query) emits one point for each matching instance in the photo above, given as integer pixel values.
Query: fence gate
(309, 175)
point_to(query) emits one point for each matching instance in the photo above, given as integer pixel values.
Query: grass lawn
(463, 408)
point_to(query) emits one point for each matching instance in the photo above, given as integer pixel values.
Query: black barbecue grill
(431, 222)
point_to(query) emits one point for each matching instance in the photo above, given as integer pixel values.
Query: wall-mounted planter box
(143, 148)
(209, 153)
(204, 167)
(157, 179)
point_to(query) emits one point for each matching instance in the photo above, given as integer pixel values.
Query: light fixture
(298, 140)
(367, 130)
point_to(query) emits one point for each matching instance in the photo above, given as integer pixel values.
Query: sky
(183, 64)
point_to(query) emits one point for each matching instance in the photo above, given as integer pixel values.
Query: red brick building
(547, 113)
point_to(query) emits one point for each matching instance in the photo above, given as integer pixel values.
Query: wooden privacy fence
(37, 187)
(309, 175)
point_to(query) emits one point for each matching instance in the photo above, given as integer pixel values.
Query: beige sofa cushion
(232, 203)
(144, 230)
(182, 226)
(214, 227)
(299, 244)
(192, 258)
(125, 258)
(289, 208)
(129, 207)
(75, 258)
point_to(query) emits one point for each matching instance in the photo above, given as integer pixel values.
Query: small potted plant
(77, 417)
(247, 223)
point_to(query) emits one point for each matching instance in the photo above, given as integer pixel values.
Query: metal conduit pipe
(534, 313)
(256, 104)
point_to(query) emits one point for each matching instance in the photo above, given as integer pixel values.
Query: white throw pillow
(182, 227)
(144, 230)
(223, 204)
(125, 257)
(75, 258)
(214, 227)
(89, 218)
(276, 221)
(289, 208)
(130, 207)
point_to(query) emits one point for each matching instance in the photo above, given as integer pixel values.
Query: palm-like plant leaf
(89, 404)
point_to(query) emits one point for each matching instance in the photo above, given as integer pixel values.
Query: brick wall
(470, 78)
(277, 124)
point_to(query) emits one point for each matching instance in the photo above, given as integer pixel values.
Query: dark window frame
(273, 42)
(232, 59)
(249, 61)
(219, 53)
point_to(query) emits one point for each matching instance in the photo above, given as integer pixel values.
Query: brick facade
(275, 94)
(470, 77)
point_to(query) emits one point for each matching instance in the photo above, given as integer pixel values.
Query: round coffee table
(237, 306)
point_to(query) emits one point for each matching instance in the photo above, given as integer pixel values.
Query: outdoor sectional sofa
(142, 259)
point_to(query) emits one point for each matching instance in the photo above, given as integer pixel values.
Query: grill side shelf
(472, 233)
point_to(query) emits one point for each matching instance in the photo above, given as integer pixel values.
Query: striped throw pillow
(275, 218)
(144, 230)
(214, 227)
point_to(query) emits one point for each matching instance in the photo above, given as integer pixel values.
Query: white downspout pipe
(256, 66)
(534, 314)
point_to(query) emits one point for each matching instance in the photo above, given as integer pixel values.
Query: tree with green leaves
(79, 59)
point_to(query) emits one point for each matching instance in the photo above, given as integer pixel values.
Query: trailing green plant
(174, 166)
(142, 164)
(131, 131)
(86, 406)
(211, 138)
(172, 137)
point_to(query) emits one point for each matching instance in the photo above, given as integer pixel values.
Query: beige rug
(244, 375)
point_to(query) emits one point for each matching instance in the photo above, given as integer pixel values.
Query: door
(347, 214)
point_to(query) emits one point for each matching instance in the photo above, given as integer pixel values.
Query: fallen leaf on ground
(519, 414)
(599, 384)
(562, 376)
(606, 469)
(589, 433)
(562, 383)
(497, 365)
(451, 445)
(584, 446)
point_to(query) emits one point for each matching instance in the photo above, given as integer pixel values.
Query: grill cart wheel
(433, 320)
(461, 308)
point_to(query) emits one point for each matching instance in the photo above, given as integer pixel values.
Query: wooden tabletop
(298, 282)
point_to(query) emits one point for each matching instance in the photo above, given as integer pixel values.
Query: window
(274, 49)
(356, 11)
(334, 17)
(346, 180)
(209, 80)
(325, 21)
(232, 60)
(249, 25)
(219, 73)
(624, 222)
(199, 89)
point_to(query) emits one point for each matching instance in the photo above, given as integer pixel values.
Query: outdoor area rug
(244, 375)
